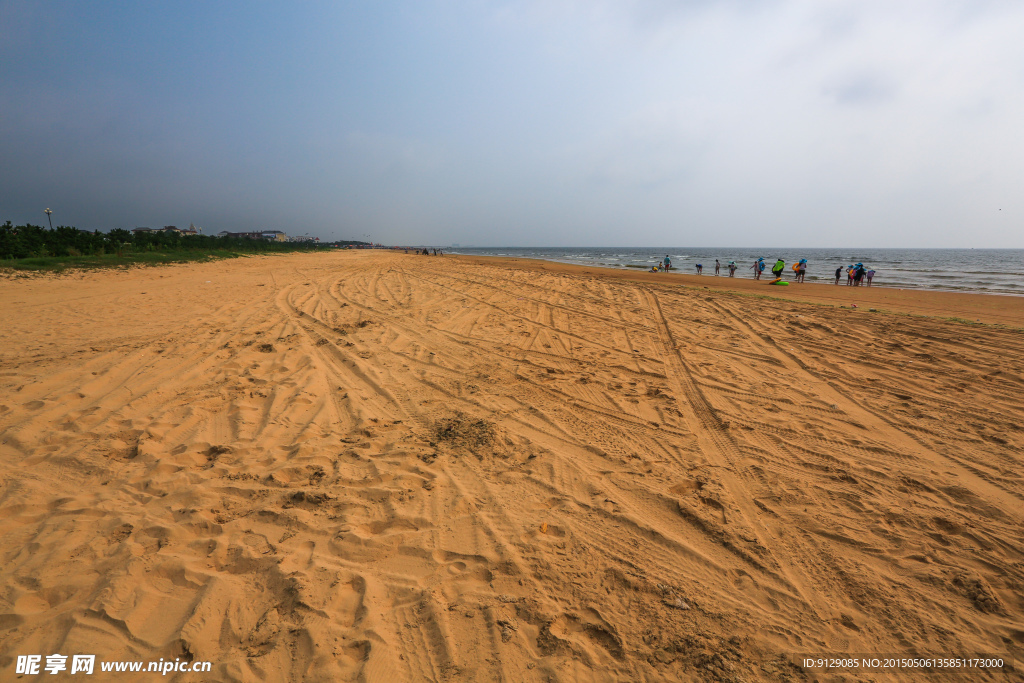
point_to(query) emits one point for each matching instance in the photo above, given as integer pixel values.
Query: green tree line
(30, 241)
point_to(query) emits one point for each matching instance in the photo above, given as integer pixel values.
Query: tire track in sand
(716, 444)
(869, 418)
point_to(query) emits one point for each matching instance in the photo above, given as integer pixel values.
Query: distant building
(303, 238)
(269, 235)
(168, 228)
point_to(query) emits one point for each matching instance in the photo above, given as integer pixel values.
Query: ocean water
(989, 271)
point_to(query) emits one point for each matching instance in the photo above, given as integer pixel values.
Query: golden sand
(388, 467)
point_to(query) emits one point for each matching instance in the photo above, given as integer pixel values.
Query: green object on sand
(779, 282)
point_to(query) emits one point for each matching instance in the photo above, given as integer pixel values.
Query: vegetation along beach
(371, 465)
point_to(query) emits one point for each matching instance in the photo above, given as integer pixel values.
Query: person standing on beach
(777, 269)
(700, 269)
(718, 266)
(801, 270)
(849, 276)
(757, 269)
(668, 263)
(732, 269)
(839, 272)
(870, 274)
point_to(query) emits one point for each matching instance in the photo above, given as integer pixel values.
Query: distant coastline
(980, 271)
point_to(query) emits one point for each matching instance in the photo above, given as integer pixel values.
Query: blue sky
(696, 123)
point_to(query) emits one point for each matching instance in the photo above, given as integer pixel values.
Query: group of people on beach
(800, 268)
(661, 266)
(856, 273)
(731, 267)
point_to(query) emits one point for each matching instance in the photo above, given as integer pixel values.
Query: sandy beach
(373, 466)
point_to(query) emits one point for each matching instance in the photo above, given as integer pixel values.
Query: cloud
(860, 89)
(557, 121)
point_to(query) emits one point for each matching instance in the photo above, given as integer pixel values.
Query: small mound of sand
(461, 430)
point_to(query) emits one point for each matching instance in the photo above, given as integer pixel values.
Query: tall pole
(48, 212)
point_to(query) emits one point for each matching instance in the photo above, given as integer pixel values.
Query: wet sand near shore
(388, 467)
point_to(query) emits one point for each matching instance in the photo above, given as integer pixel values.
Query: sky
(816, 123)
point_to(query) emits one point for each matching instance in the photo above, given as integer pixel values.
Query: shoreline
(998, 274)
(993, 309)
(967, 307)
